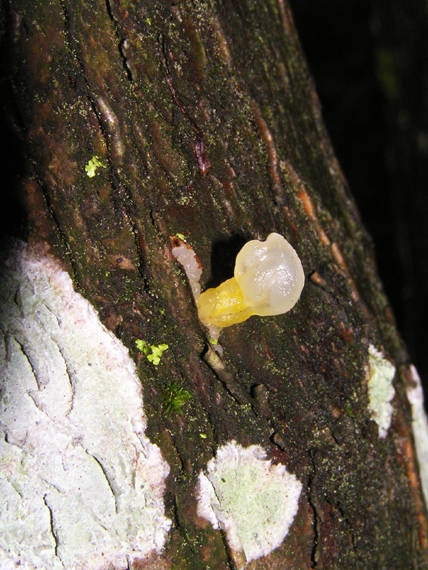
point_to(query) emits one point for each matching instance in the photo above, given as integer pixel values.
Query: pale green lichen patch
(251, 500)
(152, 352)
(380, 389)
(81, 485)
(92, 166)
(415, 396)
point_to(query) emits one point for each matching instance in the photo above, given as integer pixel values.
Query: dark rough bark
(209, 126)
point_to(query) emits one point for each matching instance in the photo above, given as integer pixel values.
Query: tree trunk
(299, 443)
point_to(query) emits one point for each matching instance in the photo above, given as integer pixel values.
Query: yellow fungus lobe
(268, 280)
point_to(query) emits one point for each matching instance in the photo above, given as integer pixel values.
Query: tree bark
(144, 121)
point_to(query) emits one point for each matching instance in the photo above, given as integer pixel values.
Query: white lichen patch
(81, 485)
(251, 500)
(381, 373)
(415, 396)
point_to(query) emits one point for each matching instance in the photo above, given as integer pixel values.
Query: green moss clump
(175, 396)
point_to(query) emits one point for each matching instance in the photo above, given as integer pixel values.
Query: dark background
(369, 60)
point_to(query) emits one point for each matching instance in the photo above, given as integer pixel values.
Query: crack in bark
(229, 553)
(18, 300)
(66, 16)
(33, 399)
(107, 478)
(110, 11)
(58, 320)
(12, 443)
(122, 42)
(52, 485)
(52, 528)
(122, 50)
(28, 359)
(316, 521)
(4, 337)
(234, 389)
(70, 376)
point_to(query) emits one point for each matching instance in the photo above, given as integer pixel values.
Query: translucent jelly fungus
(268, 280)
